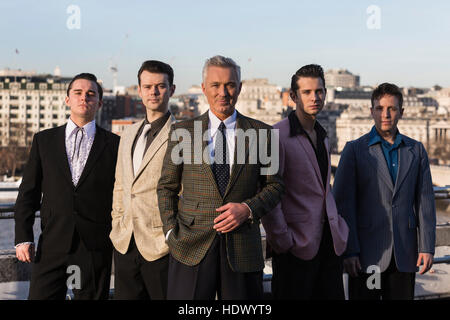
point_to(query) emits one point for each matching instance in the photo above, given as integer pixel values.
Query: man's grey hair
(224, 62)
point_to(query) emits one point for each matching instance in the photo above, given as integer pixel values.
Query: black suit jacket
(64, 207)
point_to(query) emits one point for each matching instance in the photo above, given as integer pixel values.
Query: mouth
(223, 102)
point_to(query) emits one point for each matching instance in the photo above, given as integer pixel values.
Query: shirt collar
(374, 138)
(89, 128)
(214, 122)
(157, 124)
(296, 127)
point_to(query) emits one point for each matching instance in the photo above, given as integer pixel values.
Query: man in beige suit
(141, 254)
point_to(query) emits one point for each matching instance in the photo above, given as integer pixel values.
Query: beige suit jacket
(135, 202)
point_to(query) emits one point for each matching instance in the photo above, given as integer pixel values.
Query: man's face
(310, 96)
(221, 88)
(83, 99)
(386, 113)
(155, 91)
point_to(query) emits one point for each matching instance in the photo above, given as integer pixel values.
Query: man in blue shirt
(383, 190)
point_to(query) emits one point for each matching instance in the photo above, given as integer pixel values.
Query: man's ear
(139, 91)
(203, 88)
(293, 95)
(66, 100)
(172, 90)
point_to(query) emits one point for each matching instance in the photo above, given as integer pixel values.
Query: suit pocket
(185, 219)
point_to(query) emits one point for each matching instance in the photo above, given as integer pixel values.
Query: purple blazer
(296, 223)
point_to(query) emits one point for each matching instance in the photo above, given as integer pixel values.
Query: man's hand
(25, 252)
(427, 262)
(233, 215)
(352, 266)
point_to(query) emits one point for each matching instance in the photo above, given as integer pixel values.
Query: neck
(80, 122)
(222, 116)
(153, 115)
(307, 121)
(389, 135)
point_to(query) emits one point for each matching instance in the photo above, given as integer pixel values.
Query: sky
(268, 39)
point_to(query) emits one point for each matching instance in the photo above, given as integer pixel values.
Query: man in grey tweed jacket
(212, 228)
(383, 190)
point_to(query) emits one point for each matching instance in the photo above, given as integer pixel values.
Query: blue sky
(269, 39)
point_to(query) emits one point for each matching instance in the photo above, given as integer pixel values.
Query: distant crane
(113, 63)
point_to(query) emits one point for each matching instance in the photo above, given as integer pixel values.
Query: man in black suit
(72, 168)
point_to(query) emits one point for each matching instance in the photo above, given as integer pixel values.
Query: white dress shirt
(78, 151)
(230, 132)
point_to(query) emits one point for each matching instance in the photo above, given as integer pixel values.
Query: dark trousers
(52, 273)
(138, 279)
(212, 276)
(316, 279)
(394, 285)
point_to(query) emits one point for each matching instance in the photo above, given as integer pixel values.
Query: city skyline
(268, 40)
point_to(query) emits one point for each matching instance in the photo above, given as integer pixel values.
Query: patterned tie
(220, 167)
(77, 162)
(140, 148)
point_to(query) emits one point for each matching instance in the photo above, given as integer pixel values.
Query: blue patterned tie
(220, 167)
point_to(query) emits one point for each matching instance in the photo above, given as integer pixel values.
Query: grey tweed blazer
(191, 215)
(384, 218)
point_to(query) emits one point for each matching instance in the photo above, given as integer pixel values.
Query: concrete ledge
(12, 269)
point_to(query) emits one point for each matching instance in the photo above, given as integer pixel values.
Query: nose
(386, 114)
(223, 91)
(154, 91)
(315, 96)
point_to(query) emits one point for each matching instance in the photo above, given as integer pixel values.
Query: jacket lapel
(242, 124)
(61, 153)
(159, 140)
(96, 150)
(377, 160)
(327, 148)
(128, 142)
(405, 158)
(205, 166)
(304, 142)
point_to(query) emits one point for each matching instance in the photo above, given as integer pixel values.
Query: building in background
(30, 103)
(341, 78)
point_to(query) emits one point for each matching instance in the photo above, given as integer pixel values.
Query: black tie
(220, 167)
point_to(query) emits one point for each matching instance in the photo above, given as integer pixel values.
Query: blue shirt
(390, 151)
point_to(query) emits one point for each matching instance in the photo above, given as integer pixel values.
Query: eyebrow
(80, 90)
(153, 84)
